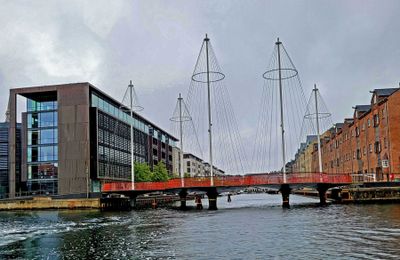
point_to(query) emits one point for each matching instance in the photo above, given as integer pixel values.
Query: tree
(186, 175)
(160, 172)
(142, 172)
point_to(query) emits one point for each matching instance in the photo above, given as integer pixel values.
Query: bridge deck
(231, 181)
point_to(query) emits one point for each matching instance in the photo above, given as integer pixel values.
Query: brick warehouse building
(367, 143)
(74, 137)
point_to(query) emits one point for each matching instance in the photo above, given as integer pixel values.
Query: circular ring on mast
(202, 76)
(286, 73)
(181, 119)
(135, 108)
(320, 115)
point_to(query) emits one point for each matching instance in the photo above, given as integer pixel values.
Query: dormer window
(357, 131)
(375, 99)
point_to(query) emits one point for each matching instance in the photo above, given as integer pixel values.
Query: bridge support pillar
(212, 198)
(182, 195)
(336, 194)
(322, 188)
(132, 201)
(285, 191)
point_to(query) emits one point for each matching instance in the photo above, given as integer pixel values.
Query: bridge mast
(181, 137)
(317, 123)
(278, 43)
(131, 125)
(133, 106)
(206, 40)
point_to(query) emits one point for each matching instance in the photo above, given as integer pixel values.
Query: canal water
(252, 226)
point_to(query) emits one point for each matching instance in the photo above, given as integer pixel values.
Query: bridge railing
(231, 181)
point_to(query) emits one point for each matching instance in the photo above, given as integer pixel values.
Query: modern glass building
(75, 137)
(42, 144)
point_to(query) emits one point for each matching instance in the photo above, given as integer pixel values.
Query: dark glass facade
(42, 145)
(114, 148)
(110, 123)
(4, 158)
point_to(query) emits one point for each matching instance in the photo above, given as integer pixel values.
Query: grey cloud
(346, 47)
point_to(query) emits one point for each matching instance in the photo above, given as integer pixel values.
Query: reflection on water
(252, 227)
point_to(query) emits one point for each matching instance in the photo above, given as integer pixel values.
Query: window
(364, 150)
(358, 154)
(33, 120)
(370, 148)
(376, 120)
(369, 122)
(385, 142)
(357, 131)
(48, 119)
(378, 147)
(33, 137)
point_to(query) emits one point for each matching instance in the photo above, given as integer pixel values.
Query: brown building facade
(74, 137)
(368, 143)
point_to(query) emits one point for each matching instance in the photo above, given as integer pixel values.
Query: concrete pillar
(322, 188)
(183, 195)
(285, 191)
(212, 198)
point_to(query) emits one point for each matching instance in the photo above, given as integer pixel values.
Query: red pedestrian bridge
(321, 181)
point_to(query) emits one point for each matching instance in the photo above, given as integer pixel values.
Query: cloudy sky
(346, 47)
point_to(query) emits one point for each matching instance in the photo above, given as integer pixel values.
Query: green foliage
(186, 175)
(160, 172)
(142, 172)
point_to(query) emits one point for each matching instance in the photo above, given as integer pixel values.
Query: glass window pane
(48, 136)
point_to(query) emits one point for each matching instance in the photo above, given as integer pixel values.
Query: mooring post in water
(285, 191)
(183, 196)
(322, 189)
(212, 198)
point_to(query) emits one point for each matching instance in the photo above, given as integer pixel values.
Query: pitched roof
(384, 92)
(362, 108)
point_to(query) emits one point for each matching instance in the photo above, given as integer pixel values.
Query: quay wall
(357, 194)
(49, 203)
